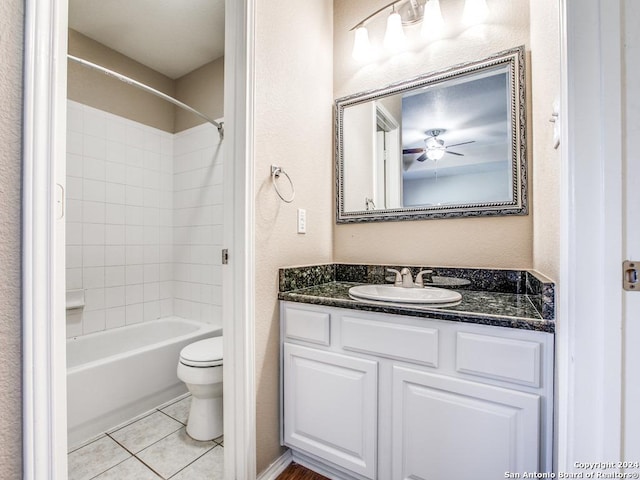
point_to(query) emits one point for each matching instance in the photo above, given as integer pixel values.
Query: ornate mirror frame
(514, 60)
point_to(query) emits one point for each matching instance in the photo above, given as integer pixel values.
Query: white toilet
(200, 367)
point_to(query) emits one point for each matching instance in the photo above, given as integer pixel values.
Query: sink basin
(393, 294)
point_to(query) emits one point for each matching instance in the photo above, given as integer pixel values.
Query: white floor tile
(173, 453)
(208, 467)
(131, 469)
(146, 431)
(95, 458)
(179, 410)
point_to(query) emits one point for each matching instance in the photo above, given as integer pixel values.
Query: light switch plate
(302, 220)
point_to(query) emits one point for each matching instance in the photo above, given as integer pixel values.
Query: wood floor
(298, 472)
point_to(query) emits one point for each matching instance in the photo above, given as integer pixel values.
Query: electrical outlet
(302, 220)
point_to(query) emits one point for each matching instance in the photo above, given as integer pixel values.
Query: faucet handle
(419, 281)
(398, 279)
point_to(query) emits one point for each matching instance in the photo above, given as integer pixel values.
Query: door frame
(43, 262)
(589, 314)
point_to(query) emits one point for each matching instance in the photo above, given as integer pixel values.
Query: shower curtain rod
(146, 88)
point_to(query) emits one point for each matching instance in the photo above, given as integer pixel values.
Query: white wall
(546, 165)
(137, 257)
(489, 186)
(359, 146)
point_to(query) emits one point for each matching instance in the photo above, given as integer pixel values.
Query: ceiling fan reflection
(434, 147)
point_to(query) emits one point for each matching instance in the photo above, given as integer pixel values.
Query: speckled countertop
(497, 308)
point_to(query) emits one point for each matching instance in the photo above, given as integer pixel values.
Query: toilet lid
(203, 353)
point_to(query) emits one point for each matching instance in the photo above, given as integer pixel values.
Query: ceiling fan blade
(455, 153)
(463, 143)
(413, 150)
(422, 157)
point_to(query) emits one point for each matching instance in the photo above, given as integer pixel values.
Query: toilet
(200, 368)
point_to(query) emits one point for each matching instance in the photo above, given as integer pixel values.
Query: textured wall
(545, 75)
(11, 25)
(97, 90)
(293, 99)
(504, 242)
(202, 89)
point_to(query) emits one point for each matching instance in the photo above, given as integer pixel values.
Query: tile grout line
(173, 418)
(133, 455)
(153, 443)
(109, 434)
(215, 445)
(113, 466)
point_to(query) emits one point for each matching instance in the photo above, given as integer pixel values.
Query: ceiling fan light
(432, 143)
(362, 51)
(394, 38)
(475, 12)
(435, 153)
(433, 23)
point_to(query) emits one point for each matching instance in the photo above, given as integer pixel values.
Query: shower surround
(144, 221)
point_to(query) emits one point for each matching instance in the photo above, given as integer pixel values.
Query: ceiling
(173, 37)
(473, 109)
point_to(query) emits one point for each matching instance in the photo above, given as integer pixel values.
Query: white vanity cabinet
(377, 396)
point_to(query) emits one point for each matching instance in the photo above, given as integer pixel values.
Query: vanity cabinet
(332, 408)
(370, 395)
(444, 427)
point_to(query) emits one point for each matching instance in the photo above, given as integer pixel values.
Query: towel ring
(275, 173)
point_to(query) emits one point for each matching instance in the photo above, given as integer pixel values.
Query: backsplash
(539, 289)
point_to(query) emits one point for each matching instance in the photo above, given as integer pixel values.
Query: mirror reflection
(449, 144)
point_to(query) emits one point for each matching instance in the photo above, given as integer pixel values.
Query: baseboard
(277, 467)
(322, 468)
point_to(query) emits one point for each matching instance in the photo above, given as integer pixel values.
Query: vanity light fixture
(394, 38)
(410, 12)
(362, 51)
(475, 12)
(432, 23)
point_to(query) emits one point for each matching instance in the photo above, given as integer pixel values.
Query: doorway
(44, 253)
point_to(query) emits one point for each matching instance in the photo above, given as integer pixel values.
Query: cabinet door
(455, 429)
(330, 407)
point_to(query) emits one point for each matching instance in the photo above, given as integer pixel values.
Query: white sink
(393, 294)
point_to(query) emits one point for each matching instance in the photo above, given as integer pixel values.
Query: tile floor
(154, 446)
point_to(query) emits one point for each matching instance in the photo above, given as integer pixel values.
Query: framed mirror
(446, 144)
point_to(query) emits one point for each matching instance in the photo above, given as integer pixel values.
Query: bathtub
(115, 375)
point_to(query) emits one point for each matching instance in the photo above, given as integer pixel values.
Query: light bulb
(475, 12)
(435, 154)
(434, 148)
(433, 23)
(394, 38)
(361, 46)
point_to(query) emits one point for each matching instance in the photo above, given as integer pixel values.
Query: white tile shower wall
(119, 220)
(197, 223)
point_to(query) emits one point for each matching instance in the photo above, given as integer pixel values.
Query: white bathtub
(117, 374)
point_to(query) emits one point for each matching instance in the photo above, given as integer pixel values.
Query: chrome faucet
(407, 278)
(404, 278)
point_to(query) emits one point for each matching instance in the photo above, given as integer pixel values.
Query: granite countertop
(512, 310)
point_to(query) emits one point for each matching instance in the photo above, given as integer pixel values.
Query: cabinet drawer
(507, 359)
(307, 325)
(402, 342)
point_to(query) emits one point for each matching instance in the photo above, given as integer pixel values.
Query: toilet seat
(203, 353)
